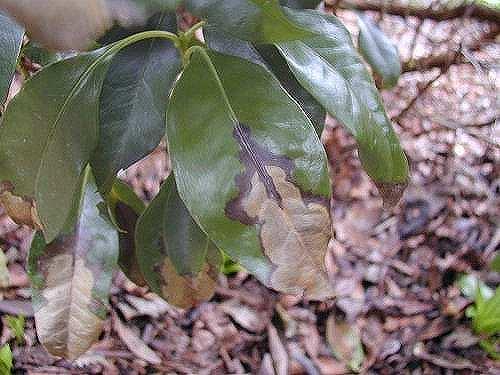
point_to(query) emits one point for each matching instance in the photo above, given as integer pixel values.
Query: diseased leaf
(11, 40)
(48, 134)
(71, 277)
(345, 341)
(133, 102)
(379, 51)
(61, 24)
(125, 207)
(260, 21)
(269, 174)
(176, 258)
(328, 66)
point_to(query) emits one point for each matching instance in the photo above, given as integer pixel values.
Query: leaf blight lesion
(294, 228)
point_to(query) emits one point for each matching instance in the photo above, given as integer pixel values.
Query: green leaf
(16, 326)
(379, 51)
(133, 102)
(124, 208)
(495, 264)
(309, 104)
(11, 40)
(177, 259)
(71, 278)
(492, 346)
(328, 66)
(269, 57)
(5, 360)
(40, 55)
(260, 21)
(487, 317)
(252, 171)
(158, 5)
(49, 133)
(300, 4)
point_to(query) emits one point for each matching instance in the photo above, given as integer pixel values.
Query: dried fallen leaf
(244, 316)
(21, 211)
(4, 272)
(134, 343)
(278, 351)
(345, 341)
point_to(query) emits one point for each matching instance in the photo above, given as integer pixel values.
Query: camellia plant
(241, 109)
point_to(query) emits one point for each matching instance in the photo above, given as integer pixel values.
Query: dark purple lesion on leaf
(255, 158)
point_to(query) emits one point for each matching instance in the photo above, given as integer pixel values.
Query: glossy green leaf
(379, 51)
(49, 133)
(309, 104)
(71, 277)
(177, 259)
(269, 57)
(124, 208)
(258, 182)
(133, 102)
(260, 21)
(329, 67)
(11, 40)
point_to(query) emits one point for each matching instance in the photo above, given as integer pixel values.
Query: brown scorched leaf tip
(294, 235)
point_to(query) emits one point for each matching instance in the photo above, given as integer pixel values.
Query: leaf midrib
(78, 85)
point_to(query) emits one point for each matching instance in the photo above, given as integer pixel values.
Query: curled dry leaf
(22, 211)
(134, 343)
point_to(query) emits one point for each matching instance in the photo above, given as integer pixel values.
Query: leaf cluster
(241, 112)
